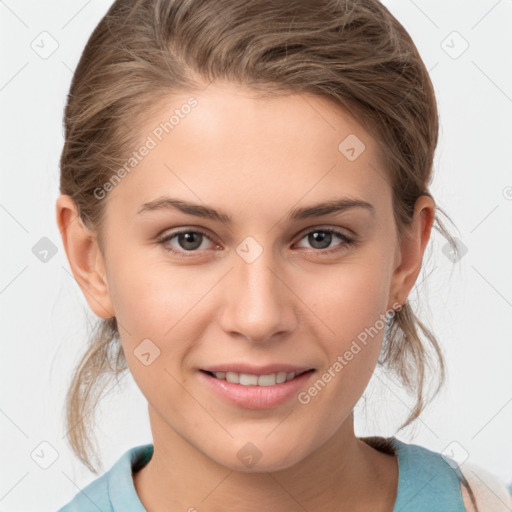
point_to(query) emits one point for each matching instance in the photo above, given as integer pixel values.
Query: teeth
(248, 380)
(254, 380)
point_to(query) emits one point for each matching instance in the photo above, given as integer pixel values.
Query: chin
(249, 459)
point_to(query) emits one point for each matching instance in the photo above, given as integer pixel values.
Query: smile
(246, 379)
(251, 391)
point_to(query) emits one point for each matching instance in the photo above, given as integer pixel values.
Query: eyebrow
(316, 210)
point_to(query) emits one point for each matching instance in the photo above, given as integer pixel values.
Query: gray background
(468, 303)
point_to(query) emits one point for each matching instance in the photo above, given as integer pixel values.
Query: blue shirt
(427, 482)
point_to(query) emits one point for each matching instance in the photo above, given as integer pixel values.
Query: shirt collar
(121, 489)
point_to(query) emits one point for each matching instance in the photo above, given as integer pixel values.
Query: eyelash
(347, 241)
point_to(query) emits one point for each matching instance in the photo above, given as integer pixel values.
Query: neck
(345, 473)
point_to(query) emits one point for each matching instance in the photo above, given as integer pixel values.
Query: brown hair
(352, 52)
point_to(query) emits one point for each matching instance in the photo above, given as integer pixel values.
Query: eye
(193, 240)
(187, 240)
(321, 239)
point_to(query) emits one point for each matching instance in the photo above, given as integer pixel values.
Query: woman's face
(256, 279)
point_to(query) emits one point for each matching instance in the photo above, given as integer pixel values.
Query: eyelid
(327, 227)
(346, 239)
(187, 229)
(301, 234)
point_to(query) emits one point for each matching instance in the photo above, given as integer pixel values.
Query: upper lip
(256, 370)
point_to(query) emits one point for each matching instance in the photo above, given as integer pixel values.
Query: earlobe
(412, 249)
(84, 256)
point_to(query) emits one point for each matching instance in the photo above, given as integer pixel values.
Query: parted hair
(351, 52)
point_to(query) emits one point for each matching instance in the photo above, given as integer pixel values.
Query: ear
(411, 250)
(84, 256)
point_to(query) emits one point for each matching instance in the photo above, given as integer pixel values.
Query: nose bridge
(257, 304)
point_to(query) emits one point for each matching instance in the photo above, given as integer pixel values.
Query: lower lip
(256, 397)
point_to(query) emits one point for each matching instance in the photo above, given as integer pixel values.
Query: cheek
(350, 302)
(162, 303)
(151, 298)
(152, 305)
(348, 299)
(352, 307)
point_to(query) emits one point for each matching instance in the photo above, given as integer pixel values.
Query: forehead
(225, 145)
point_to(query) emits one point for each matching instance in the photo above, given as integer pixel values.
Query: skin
(255, 160)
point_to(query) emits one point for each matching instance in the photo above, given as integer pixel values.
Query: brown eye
(189, 240)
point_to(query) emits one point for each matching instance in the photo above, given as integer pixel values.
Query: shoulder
(490, 493)
(114, 491)
(431, 480)
(93, 496)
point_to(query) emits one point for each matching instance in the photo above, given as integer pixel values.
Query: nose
(258, 303)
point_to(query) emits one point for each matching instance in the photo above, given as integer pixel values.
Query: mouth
(263, 389)
(248, 379)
